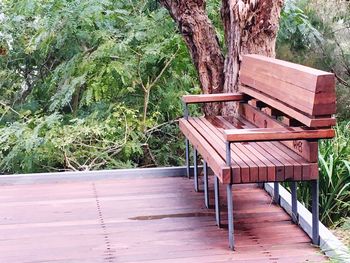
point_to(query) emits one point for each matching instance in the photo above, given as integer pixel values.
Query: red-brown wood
(215, 140)
(217, 164)
(276, 134)
(143, 220)
(288, 110)
(309, 90)
(246, 167)
(212, 97)
(278, 99)
(251, 162)
(308, 150)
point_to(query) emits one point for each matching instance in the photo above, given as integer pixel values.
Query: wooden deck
(142, 220)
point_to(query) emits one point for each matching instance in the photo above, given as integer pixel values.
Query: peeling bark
(250, 28)
(202, 42)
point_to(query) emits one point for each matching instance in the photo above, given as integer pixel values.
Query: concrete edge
(329, 244)
(36, 178)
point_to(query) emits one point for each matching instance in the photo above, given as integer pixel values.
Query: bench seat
(251, 162)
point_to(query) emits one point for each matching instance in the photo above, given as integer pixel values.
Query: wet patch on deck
(152, 220)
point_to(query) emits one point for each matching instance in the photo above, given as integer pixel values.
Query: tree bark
(200, 37)
(250, 27)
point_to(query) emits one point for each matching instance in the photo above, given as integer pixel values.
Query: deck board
(142, 220)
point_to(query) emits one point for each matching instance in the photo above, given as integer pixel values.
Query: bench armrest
(278, 134)
(204, 98)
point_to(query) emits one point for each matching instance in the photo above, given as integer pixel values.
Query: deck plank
(143, 220)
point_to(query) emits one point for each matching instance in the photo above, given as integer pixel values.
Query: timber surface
(251, 162)
(142, 220)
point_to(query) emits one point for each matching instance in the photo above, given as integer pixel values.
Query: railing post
(217, 201)
(187, 143)
(186, 113)
(195, 166)
(229, 201)
(206, 190)
(228, 153)
(276, 193)
(230, 216)
(293, 188)
(315, 212)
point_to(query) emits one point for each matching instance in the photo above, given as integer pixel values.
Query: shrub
(334, 168)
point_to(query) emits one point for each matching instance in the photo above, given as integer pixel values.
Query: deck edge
(329, 243)
(33, 178)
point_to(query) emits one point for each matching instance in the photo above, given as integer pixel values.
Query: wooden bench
(283, 110)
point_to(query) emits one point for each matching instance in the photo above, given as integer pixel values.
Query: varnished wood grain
(212, 97)
(276, 134)
(209, 153)
(306, 89)
(306, 149)
(143, 220)
(288, 110)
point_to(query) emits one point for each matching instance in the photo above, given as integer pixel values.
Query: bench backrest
(302, 93)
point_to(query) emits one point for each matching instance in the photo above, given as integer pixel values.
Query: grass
(334, 168)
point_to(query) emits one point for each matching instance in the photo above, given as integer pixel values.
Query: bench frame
(209, 98)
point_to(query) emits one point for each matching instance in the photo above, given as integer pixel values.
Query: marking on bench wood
(309, 150)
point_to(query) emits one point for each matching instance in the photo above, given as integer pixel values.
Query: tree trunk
(250, 27)
(202, 42)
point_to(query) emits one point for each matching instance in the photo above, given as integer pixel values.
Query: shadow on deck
(142, 220)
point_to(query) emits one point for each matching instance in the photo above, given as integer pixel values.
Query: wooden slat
(309, 170)
(212, 97)
(308, 78)
(308, 150)
(173, 226)
(304, 100)
(209, 154)
(263, 147)
(259, 175)
(308, 121)
(250, 172)
(236, 156)
(292, 168)
(218, 144)
(276, 134)
(309, 90)
(295, 165)
(274, 168)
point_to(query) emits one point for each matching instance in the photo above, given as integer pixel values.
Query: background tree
(250, 26)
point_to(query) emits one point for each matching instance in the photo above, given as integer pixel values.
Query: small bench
(283, 110)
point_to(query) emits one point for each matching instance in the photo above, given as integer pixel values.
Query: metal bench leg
(217, 201)
(206, 190)
(315, 212)
(230, 216)
(195, 156)
(188, 158)
(276, 193)
(293, 188)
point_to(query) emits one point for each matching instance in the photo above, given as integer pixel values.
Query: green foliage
(334, 165)
(79, 64)
(316, 33)
(106, 139)
(296, 28)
